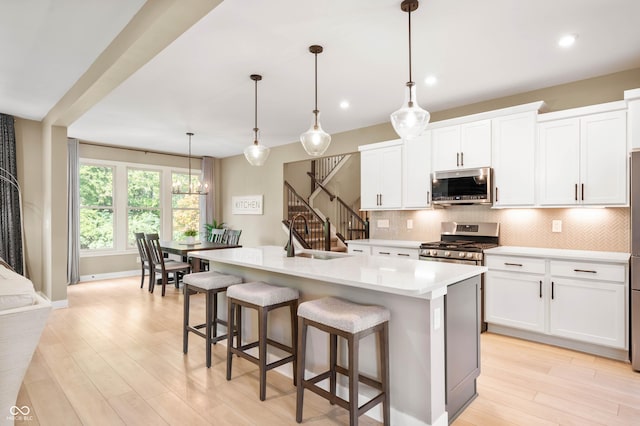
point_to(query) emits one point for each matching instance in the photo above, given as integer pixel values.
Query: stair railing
(319, 236)
(318, 183)
(322, 167)
(350, 223)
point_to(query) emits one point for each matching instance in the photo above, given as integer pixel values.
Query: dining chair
(143, 253)
(159, 264)
(217, 235)
(232, 236)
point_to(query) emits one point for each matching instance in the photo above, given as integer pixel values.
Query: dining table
(182, 249)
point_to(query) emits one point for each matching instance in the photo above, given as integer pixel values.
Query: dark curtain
(10, 221)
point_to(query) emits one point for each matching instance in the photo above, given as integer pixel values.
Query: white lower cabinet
(358, 248)
(515, 300)
(584, 301)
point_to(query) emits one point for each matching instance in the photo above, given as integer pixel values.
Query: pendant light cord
(410, 82)
(315, 111)
(255, 127)
(190, 134)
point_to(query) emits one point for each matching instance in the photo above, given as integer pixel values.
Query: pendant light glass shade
(256, 154)
(410, 120)
(315, 140)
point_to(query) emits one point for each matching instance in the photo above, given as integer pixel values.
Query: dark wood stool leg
(238, 325)
(333, 362)
(262, 350)
(230, 318)
(294, 339)
(208, 324)
(185, 323)
(384, 373)
(214, 320)
(354, 347)
(302, 350)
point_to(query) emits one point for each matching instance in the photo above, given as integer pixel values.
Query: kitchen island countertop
(405, 277)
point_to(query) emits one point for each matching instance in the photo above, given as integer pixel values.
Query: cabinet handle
(383, 252)
(540, 289)
(513, 264)
(457, 159)
(403, 254)
(428, 197)
(575, 191)
(553, 293)
(462, 159)
(585, 270)
(359, 251)
(496, 194)
(583, 192)
(380, 199)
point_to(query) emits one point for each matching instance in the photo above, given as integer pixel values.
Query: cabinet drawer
(359, 249)
(589, 270)
(529, 265)
(395, 252)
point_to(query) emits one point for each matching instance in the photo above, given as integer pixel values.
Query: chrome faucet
(291, 252)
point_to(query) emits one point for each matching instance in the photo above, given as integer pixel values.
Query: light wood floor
(115, 357)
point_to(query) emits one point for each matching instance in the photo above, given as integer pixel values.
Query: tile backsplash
(605, 229)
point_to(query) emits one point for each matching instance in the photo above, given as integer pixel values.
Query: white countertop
(388, 243)
(588, 255)
(409, 277)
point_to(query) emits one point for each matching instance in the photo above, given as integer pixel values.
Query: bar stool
(353, 322)
(211, 283)
(264, 298)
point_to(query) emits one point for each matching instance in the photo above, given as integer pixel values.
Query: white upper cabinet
(583, 160)
(513, 159)
(466, 145)
(417, 172)
(381, 176)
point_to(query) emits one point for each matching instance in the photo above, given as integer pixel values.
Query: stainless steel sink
(321, 255)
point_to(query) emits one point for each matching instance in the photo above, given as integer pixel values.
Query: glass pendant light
(315, 140)
(410, 120)
(256, 154)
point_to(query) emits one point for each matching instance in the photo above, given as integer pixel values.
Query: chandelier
(198, 188)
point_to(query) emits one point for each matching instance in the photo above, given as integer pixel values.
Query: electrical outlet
(409, 223)
(556, 226)
(138, 259)
(383, 223)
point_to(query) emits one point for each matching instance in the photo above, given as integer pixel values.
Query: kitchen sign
(247, 204)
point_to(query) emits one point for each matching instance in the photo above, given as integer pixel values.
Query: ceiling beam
(156, 25)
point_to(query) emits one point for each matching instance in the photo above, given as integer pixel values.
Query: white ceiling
(478, 50)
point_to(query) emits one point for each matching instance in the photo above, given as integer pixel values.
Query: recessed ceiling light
(431, 80)
(567, 40)
(344, 104)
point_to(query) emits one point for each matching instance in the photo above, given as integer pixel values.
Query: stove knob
(469, 255)
(447, 253)
(462, 254)
(433, 252)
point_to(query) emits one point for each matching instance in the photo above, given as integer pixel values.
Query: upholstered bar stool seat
(211, 283)
(351, 321)
(263, 298)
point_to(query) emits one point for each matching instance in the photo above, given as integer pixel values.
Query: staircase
(323, 234)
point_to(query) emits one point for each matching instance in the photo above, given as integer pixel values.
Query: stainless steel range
(462, 242)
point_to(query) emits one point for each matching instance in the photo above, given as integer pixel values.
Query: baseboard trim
(60, 304)
(109, 275)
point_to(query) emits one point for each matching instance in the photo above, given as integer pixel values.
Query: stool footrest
(364, 379)
(333, 399)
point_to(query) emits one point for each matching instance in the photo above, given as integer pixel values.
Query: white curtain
(207, 202)
(73, 215)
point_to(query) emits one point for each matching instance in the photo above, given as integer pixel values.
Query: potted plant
(190, 235)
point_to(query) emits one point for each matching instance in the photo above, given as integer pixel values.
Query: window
(185, 209)
(96, 207)
(143, 203)
(118, 199)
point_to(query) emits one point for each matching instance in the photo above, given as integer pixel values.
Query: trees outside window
(143, 203)
(96, 207)
(185, 209)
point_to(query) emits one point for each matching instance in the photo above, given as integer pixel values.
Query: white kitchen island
(412, 290)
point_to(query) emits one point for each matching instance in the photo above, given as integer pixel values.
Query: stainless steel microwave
(465, 186)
